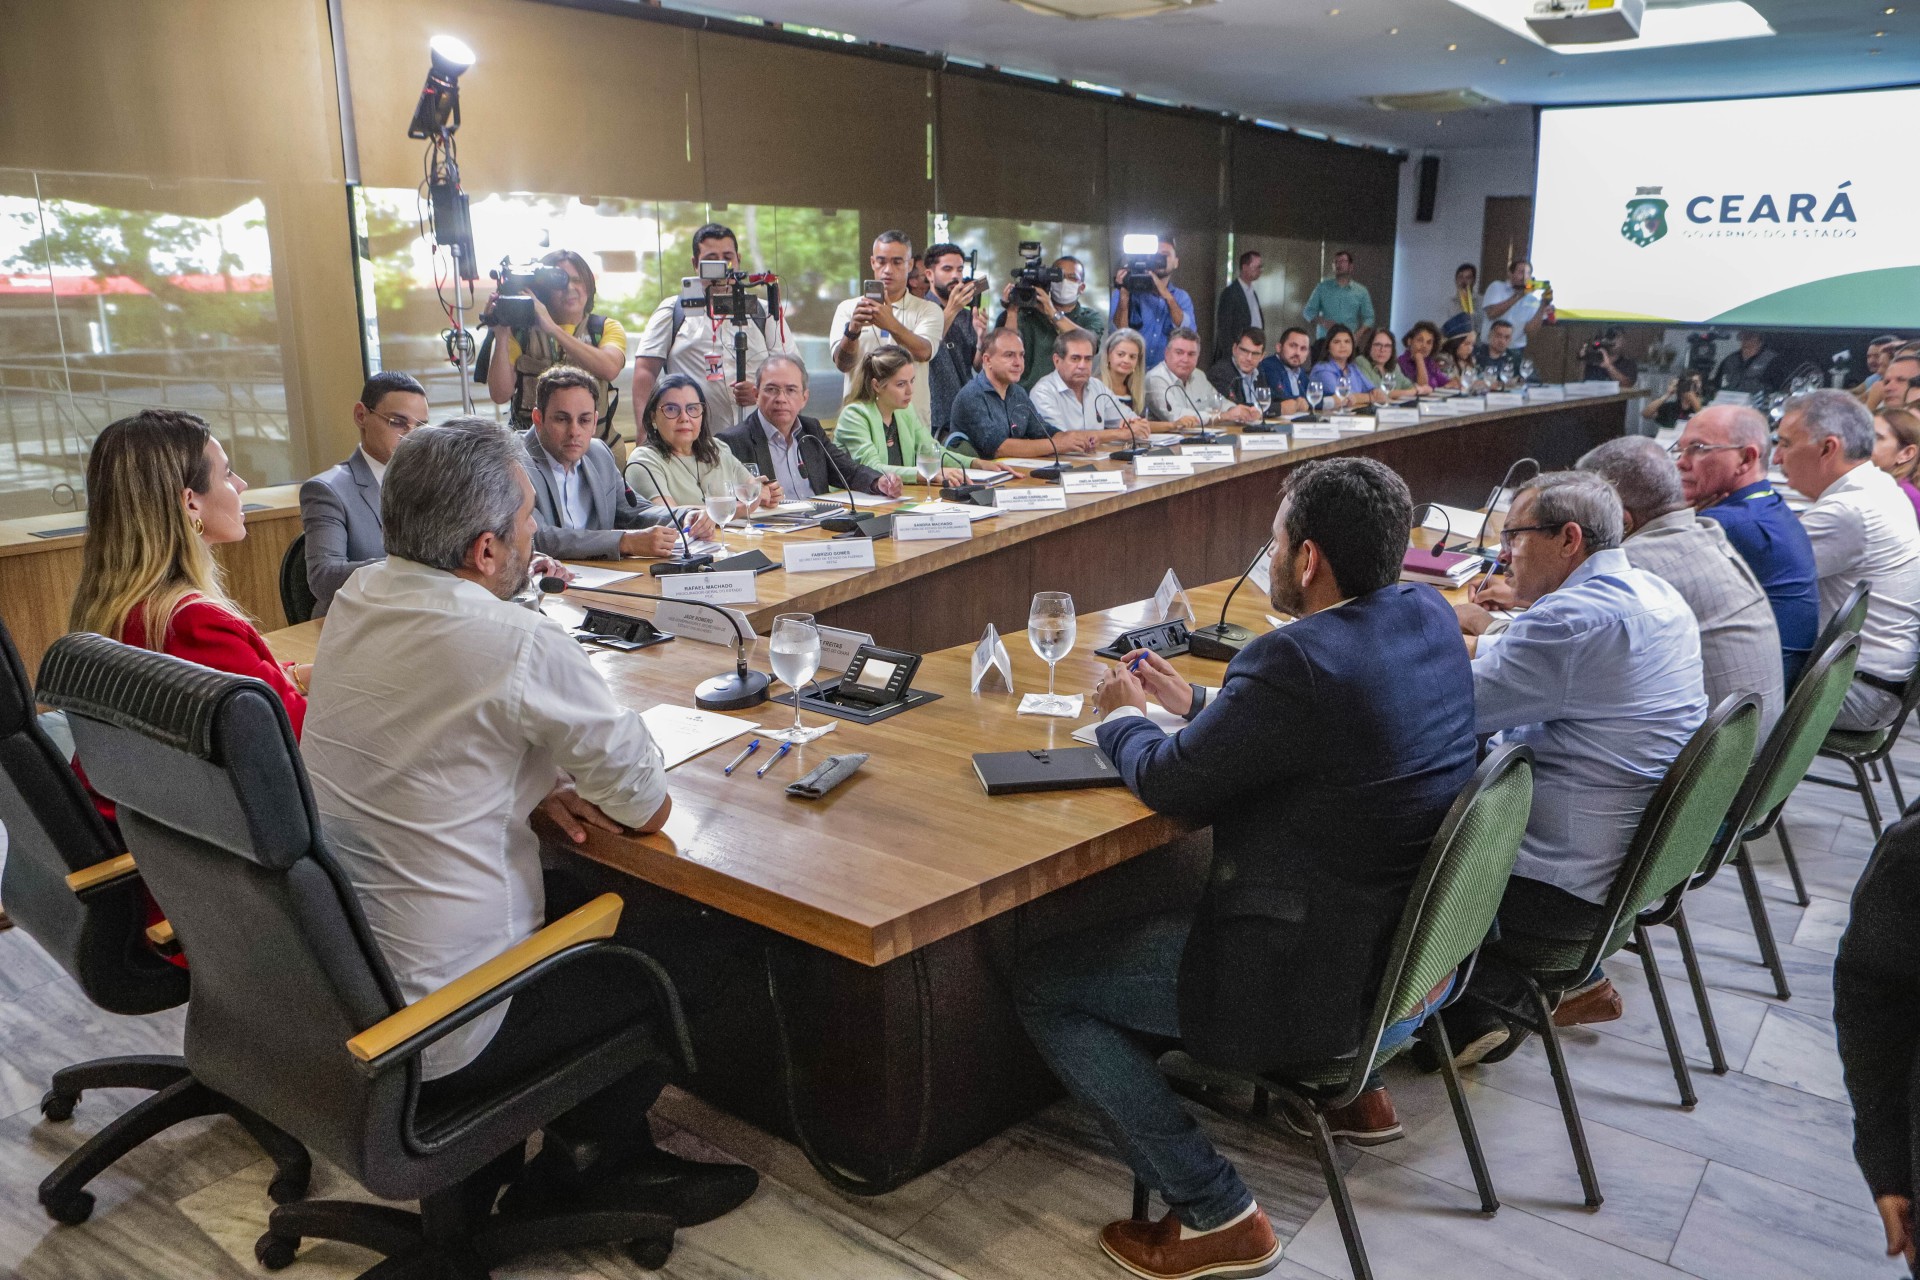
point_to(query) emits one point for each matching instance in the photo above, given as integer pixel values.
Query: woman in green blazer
(878, 425)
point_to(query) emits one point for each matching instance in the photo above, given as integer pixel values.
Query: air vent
(1438, 100)
(1086, 9)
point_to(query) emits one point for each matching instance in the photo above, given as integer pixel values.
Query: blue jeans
(1095, 1003)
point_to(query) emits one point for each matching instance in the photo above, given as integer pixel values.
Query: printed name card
(837, 647)
(1469, 404)
(1546, 394)
(1177, 466)
(1505, 400)
(930, 526)
(1026, 499)
(694, 623)
(1436, 408)
(1094, 482)
(1385, 417)
(1315, 431)
(1265, 442)
(714, 588)
(1351, 422)
(1207, 452)
(1599, 387)
(818, 557)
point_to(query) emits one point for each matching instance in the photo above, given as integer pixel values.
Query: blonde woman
(1896, 449)
(877, 424)
(1123, 368)
(160, 496)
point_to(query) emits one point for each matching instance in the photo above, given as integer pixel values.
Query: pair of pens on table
(752, 747)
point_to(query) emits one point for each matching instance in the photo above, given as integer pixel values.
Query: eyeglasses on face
(683, 410)
(401, 422)
(1506, 535)
(1698, 449)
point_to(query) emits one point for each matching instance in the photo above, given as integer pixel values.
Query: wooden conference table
(874, 1023)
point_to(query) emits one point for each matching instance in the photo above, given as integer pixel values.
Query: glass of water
(1315, 393)
(1050, 630)
(794, 647)
(927, 463)
(1341, 393)
(720, 500)
(1262, 398)
(747, 491)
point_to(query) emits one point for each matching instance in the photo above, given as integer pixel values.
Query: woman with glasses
(680, 461)
(1376, 360)
(340, 507)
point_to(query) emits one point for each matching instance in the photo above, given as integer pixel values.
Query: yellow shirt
(611, 335)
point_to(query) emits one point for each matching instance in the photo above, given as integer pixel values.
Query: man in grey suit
(340, 507)
(582, 507)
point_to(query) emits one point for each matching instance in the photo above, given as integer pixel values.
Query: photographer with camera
(1603, 361)
(1043, 303)
(684, 337)
(951, 286)
(885, 314)
(1145, 299)
(1684, 398)
(1520, 300)
(542, 317)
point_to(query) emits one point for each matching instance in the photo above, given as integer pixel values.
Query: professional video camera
(1033, 277)
(1701, 350)
(724, 294)
(1143, 258)
(514, 287)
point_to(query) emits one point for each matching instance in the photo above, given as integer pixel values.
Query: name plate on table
(817, 557)
(1178, 466)
(714, 588)
(1437, 408)
(1093, 482)
(1207, 452)
(1469, 404)
(1505, 400)
(1596, 387)
(837, 647)
(1315, 431)
(1386, 417)
(1265, 442)
(930, 526)
(1351, 422)
(1546, 393)
(1047, 499)
(695, 623)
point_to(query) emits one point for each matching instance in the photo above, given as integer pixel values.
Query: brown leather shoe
(1368, 1121)
(1597, 1003)
(1156, 1251)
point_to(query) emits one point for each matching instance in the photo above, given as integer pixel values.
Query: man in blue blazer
(1326, 763)
(583, 508)
(340, 507)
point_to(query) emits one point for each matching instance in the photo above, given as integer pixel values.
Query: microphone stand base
(733, 691)
(1206, 437)
(1218, 643)
(681, 564)
(1053, 474)
(979, 495)
(868, 526)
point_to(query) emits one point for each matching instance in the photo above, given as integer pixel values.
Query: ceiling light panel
(1087, 9)
(1662, 27)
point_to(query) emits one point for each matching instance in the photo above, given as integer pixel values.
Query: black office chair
(296, 597)
(293, 1009)
(71, 888)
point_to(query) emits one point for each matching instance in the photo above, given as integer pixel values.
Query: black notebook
(1006, 773)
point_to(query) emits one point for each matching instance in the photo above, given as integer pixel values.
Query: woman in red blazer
(161, 494)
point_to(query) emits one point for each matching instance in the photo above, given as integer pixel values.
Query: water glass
(1263, 398)
(794, 650)
(927, 463)
(1051, 626)
(720, 501)
(1315, 393)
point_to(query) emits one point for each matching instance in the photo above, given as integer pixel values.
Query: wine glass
(718, 493)
(1340, 394)
(1526, 370)
(927, 463)
(794, 649)
(1050, 630)
(747, 491)
(1315, 393)
(1263, 399)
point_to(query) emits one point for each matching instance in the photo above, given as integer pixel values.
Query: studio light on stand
(444, 220)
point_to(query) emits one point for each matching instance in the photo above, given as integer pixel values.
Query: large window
(120, 294)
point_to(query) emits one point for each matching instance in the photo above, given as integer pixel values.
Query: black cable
(666, 500)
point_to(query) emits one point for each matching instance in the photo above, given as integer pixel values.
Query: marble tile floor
(1756, 1182)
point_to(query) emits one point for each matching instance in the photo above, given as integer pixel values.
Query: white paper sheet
(588, 576)
(683, 733)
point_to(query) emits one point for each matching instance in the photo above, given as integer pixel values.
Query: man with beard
(957, 358)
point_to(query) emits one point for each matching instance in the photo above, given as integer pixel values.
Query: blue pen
(784, 748)
(1135, 664)
(751, 748)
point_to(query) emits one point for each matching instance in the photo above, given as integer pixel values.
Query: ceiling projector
(1586, 21)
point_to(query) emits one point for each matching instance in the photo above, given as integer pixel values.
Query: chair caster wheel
(289, 1187)
(650, 1254)
(275, 1253)
(58, 1106)
(72, 1209)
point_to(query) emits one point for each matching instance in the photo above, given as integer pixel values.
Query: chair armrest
(593, 922)
(101, 873)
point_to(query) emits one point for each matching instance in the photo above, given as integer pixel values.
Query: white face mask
(1065, 292)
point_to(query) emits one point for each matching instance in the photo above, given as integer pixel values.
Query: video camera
(514, 289)
(723, 293)
(1143, 259)
(1033, 276)
(1701, 350)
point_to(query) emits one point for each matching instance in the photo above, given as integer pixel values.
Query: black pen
(751, 748)
(784, 748)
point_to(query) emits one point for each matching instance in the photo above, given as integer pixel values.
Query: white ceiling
(1292, 61)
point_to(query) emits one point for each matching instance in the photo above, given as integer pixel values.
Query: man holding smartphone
(887, 315)
(1520, 300)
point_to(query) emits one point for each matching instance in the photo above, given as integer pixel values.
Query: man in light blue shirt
(1339, 299)
(1601, 677)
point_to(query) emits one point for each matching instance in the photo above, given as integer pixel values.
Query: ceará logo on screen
(1799, 206)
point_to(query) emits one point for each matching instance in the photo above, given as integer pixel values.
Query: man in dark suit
(582, 506)
(1325, 781)
(340, 507)
(770, 438)
(1238, 374)
(1238, 308)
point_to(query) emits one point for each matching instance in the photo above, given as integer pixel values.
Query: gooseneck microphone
(740, 688)
(1202, 436)
(686, 561)
(1135, 445)
(1479, 547)
(1440, 548)
(864, 525)
(966, 491)
(1223, 640)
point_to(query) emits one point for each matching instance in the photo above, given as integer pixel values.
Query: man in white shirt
(1072, 399)
(1179, 393)
(682, 338)
(1518, 302)
(897, 319)
(444, 717)
(1862, 528)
